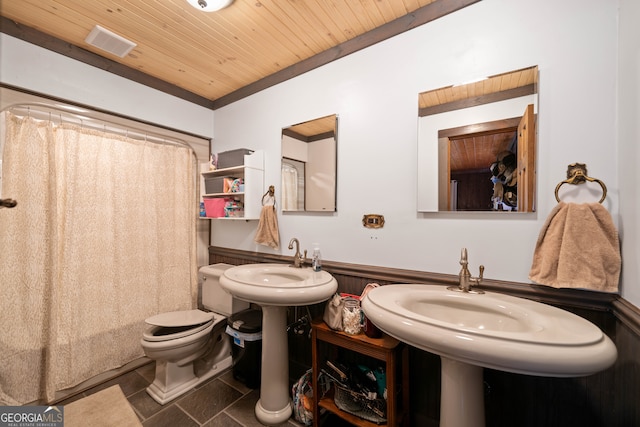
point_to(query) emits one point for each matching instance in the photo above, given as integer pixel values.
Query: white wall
(374, 92)
(320, 180)
(628, 147)
(31, 67)
(294, 149)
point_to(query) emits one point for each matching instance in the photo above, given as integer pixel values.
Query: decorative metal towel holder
(577, 174)
(271, 193)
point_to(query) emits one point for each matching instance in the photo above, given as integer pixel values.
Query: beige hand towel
(578, 247)
(268, 233)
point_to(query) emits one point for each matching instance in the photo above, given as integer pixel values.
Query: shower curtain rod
(85, 118)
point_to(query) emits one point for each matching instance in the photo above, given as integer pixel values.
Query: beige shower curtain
(289, 187)
(103, 236)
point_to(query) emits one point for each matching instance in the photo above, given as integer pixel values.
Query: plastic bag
(333, 312)
(302, 399)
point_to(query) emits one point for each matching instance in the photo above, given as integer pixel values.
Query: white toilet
(191, 346)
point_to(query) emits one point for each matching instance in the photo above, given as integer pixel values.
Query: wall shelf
(252, 173)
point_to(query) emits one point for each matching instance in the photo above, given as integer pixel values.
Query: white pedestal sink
(472, 331)
(275, 287)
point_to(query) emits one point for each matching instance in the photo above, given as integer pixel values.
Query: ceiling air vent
(109, 41)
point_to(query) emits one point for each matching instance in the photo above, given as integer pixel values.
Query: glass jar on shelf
(352, 317)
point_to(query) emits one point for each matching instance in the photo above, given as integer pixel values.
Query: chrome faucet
(465, 279)
(298, 258)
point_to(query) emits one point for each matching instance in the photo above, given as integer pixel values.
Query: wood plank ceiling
(477, 152)
(220, 56)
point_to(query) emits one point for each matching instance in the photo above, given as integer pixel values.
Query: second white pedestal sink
(275, 287)
(472, 331)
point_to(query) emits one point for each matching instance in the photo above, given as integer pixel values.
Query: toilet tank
(215, 298)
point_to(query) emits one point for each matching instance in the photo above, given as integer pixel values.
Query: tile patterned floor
(219, 402)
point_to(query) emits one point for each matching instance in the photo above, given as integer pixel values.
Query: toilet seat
(177, 324)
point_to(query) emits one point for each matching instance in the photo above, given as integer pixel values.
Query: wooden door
(444, 174)
(526, 161)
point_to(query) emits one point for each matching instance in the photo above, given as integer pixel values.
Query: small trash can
(245, 329)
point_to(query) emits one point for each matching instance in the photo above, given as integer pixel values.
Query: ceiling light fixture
(210, 5)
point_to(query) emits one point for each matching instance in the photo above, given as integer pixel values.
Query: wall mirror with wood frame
(477, 144)
(309, 165)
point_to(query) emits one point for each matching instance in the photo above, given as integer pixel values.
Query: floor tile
(144, 404)
(220, 402)
(227, 377)
(206, 402)
(222, 420)
(172, 416)
(130, 383)
(244, 410)
(148, 372)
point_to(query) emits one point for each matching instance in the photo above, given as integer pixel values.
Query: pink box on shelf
(214, 207)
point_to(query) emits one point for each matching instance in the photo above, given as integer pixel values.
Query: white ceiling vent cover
(109, 41)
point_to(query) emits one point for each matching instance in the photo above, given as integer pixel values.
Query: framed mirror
(477, 144)
(309, 165)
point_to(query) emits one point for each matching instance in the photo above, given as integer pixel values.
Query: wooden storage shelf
(387, 349)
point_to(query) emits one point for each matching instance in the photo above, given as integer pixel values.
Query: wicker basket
(357, 404)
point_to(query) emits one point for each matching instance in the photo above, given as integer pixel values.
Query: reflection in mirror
(309, 153)
(477, 143)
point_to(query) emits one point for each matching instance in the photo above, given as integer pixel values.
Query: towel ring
(271, 193)
(577, 174)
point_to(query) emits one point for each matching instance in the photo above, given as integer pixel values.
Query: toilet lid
(174, 319)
